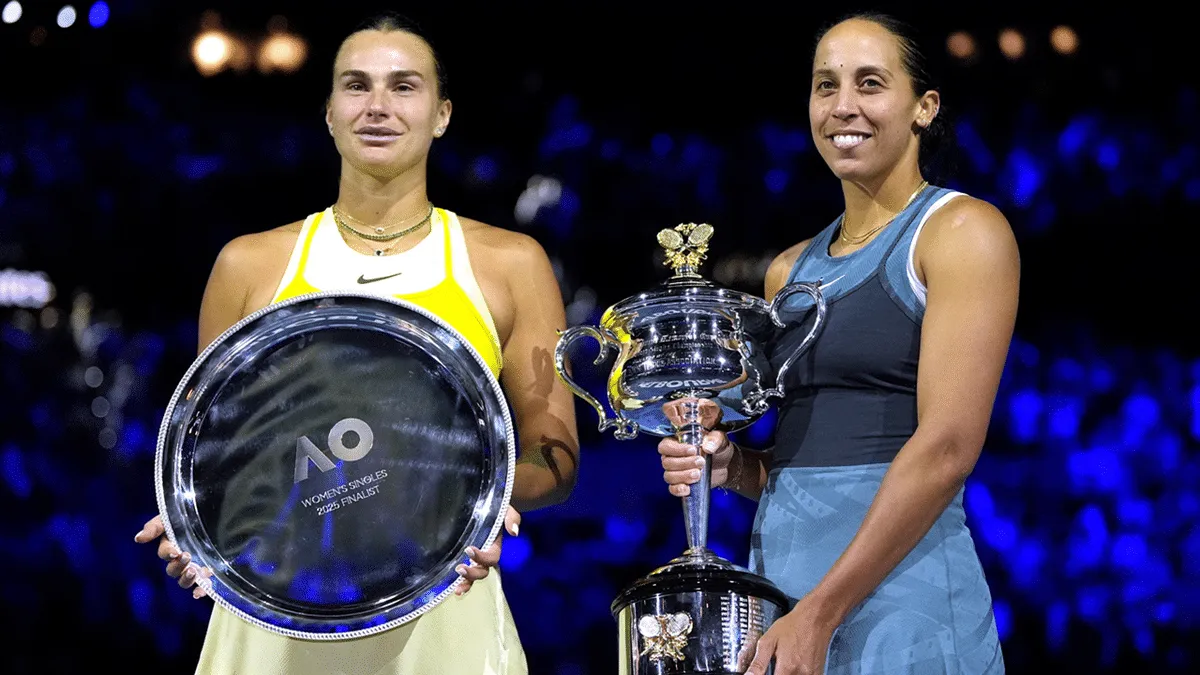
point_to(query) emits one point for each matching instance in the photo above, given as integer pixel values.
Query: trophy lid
(686, 247)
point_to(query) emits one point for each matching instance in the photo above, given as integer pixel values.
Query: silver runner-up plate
(330, 458)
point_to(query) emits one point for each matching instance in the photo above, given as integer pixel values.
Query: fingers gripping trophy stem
(695, 504)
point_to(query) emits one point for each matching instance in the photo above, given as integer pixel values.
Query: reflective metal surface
(330, 458)
(689, 338)
(690, 357)
(694, 616)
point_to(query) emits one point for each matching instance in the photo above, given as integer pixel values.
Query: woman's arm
(747, 472)
(224, 299)
(543, 409)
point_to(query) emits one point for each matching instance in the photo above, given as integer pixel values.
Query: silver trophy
(689, 359)
(330, 457)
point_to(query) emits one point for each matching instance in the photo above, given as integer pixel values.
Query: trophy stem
(695, 505)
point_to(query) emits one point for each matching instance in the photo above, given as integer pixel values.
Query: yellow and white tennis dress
(469, 635)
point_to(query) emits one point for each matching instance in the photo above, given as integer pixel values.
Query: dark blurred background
(131, 151)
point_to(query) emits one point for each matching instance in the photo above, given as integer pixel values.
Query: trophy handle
(813, 290)
(623, 429)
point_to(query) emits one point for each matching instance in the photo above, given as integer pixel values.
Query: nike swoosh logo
(362, 279)
(827, 285)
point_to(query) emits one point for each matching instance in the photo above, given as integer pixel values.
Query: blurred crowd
(1085, 506)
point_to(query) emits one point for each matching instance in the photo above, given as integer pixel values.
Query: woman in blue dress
(860, 518)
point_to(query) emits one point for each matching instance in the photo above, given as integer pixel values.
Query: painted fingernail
(462, 570)
(516, 529)
(700, 463)
(694, 475)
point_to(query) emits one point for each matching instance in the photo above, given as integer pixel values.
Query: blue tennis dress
(850, 407)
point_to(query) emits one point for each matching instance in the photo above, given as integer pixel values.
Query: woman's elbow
(564, 485)
(955, 451)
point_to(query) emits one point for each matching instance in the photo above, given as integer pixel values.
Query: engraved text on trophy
(350, 491)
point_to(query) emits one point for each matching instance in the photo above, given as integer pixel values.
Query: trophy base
(698, 614)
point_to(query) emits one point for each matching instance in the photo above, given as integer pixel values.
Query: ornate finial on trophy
(686, 246)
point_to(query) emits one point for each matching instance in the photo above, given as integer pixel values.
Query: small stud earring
(437, 131)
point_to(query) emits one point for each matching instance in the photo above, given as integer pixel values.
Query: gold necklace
(861, 238)
(379, 229)
(379, 236)
(386, 249)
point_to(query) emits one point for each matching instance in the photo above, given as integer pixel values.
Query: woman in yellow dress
(496, 287)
